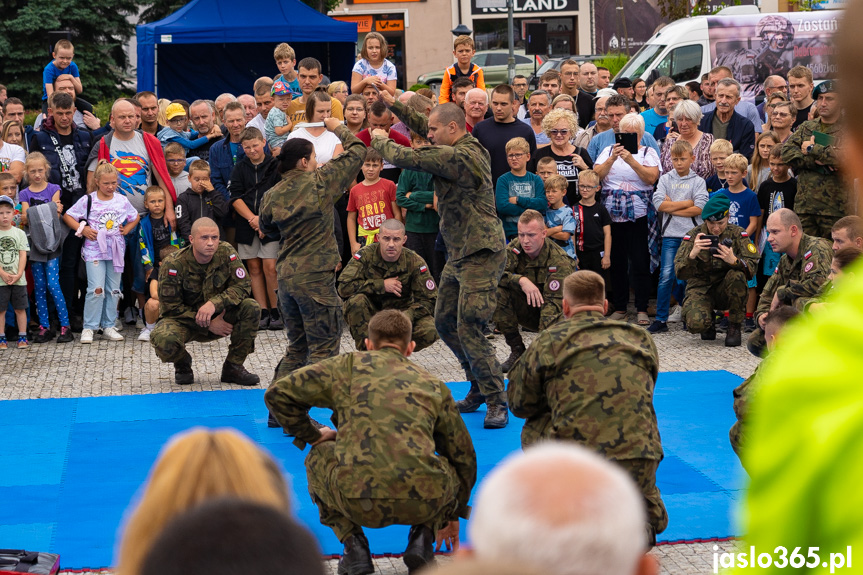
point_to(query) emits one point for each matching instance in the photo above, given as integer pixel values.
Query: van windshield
(641, 61)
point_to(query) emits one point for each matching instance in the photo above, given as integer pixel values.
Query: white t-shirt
(386, 72)
(623, 177)
(10, 153)
(325, 144)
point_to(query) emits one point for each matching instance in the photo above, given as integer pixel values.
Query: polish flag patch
(807, 255)
(357, 256)
(424, 269)
(686, 238)
(232, 257)
(515, 251)
(172, 272)
(552, 270)
(744, 234)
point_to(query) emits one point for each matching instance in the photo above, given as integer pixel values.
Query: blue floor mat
(65, 486)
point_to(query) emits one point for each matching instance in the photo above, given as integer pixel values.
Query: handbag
(13, 561)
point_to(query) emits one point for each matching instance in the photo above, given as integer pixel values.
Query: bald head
(124, 118)
(203, 224)
(562, 509)
(786, 218)
(405, 96)
(393, 225)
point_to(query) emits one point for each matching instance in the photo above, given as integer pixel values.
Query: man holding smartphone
(716, 259)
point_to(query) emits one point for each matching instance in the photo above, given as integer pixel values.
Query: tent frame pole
(156, 68)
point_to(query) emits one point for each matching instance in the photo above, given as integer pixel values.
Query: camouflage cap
(824, 88)
(716, 208)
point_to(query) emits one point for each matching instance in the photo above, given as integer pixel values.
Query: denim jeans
(668, 283)
(100, 309)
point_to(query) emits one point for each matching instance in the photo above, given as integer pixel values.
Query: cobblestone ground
(130, 367)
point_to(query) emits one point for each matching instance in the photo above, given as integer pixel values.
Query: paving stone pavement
(130, 367)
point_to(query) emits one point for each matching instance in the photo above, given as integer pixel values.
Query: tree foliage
(323, 6)
(99, 31)
(158, 9)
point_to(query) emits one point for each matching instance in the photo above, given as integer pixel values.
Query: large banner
(757, 46)
(642, 21)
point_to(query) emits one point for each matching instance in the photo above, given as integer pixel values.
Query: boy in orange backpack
(463, 50)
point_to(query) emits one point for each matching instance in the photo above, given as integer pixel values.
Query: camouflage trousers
(170, 336)
(312, 312)
(467, 297)
(757, 343)
(359, 309)
(513, 310)
(818, 226)
(347, 516)
(736, 436)
(643, 472)
(701, 301)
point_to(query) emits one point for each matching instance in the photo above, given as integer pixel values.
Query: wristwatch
(809, 148)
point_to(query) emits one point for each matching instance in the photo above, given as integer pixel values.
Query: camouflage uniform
(402, 455)
(742, 396)
(547, 272)
(361, 284)
(299, 209)
(711, 283)
(821, 196)
(591, 380)
(475, 245)
(795, 282)
(185, 285)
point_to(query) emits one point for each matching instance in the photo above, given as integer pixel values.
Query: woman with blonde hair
(561, 126)
(163, 108)
(339, 91)
(194, 467)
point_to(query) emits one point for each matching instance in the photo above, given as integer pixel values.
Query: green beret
(823, 88)
(716, 208)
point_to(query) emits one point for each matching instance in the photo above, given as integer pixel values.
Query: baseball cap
(622, 83)
(174, 110)
(7, 200)
(281, 89)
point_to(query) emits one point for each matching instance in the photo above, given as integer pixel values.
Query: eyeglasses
(176, 161)
(781, 115)
(514, 156)
(588, 188)
(558, 132)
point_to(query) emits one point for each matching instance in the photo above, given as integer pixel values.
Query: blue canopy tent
(213, 46)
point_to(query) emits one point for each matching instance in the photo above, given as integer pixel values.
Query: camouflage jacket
(367, 270)
(299, 210)
(462, 182)
(397, 425)
(797, 281)
(547, 272)
(185, 285)
(819, 186)
(591, 380)
(706, 270)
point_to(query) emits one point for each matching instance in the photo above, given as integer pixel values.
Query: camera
(715, 243)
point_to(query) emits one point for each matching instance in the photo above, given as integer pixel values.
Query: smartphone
(628, 141)
(714, 240)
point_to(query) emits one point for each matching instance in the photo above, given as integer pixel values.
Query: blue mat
(69, 468)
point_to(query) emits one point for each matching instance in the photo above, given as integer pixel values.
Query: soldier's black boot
(236, 373)
(356, 557)
(420, 549)
(472, 400)
(732, 337)
(496, 415)
(516, 350)
(183, 374)
(272, 421)
(709, 334)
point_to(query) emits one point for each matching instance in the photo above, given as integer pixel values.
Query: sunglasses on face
(558, 132)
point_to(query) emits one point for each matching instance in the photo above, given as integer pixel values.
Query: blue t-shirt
(51, 72)
(744, 207)
(234, 148)
(651, 120)
(562, 216)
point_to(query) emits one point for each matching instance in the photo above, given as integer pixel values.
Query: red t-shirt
(373, 204)
(366, 138)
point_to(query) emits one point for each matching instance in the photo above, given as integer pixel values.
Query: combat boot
(732, 337)
(236, 373)
(420, 549)
(514, 353)
(272, 421)
(183, 374)
(496, 416)
(356, 558)
(709, 334)
(472, 400)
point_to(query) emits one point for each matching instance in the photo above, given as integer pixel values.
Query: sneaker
(112, 334)
(139, 322)
(3, 344)
(676, 315)
(65, 334)
(129, 316)
(118, 325)
(86, 335)
(264, 323)
(276, 323)
(723, 325)
(44, 335)
(144, 335)
(658, 327)
(22, 342)
(749, 325)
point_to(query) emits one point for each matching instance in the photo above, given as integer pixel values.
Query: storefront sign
(389, 25)
(527, 6)
(364, 23)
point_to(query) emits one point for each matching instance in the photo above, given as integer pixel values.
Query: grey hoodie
(46, 232)
(689, 187)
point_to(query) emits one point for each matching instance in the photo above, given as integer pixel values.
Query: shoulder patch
(807, 255)
(744, 234)
(424, 269)
(232, 257)
(172, 272)
(430, 284)
(554, 285)
(687, 237)
(809, 266)
(240, 273)
(776, 271)
(515, 251)
(552, 270)
(357, 256)
(751, 247)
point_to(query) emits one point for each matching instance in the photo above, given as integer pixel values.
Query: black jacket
(249, 183)
(191, 206)
(741, 132)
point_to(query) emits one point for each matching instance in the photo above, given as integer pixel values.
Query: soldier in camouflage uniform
(402, 454)
(386, 275)
(473, 234)
(590, 380)
(803, 268)
(715, 281)
(205, 294)
(299, 210)
(821, 196)
(530, 292)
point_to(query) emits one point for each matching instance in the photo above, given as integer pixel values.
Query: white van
(752, 44)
